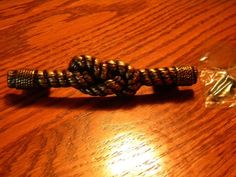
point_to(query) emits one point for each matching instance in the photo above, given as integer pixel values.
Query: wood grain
(62, 132)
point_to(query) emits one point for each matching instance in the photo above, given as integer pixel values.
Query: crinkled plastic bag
(218, 76)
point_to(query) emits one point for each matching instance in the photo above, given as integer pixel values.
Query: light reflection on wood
(132, 155)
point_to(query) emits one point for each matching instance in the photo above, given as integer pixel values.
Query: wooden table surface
(66, 133)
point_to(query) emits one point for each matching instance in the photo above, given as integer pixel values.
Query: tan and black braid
(96, 78)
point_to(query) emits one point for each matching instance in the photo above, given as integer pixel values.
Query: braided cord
(96, 78)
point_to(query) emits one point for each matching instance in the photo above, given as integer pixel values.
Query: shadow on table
(41, 98)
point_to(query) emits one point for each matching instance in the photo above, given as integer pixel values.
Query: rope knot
(103, 78)
(96, 78)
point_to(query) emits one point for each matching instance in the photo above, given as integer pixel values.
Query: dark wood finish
(66, 133)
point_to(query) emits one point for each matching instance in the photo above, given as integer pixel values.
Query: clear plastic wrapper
(218, 76)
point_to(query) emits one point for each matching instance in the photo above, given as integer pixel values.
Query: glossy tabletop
(158, 132)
